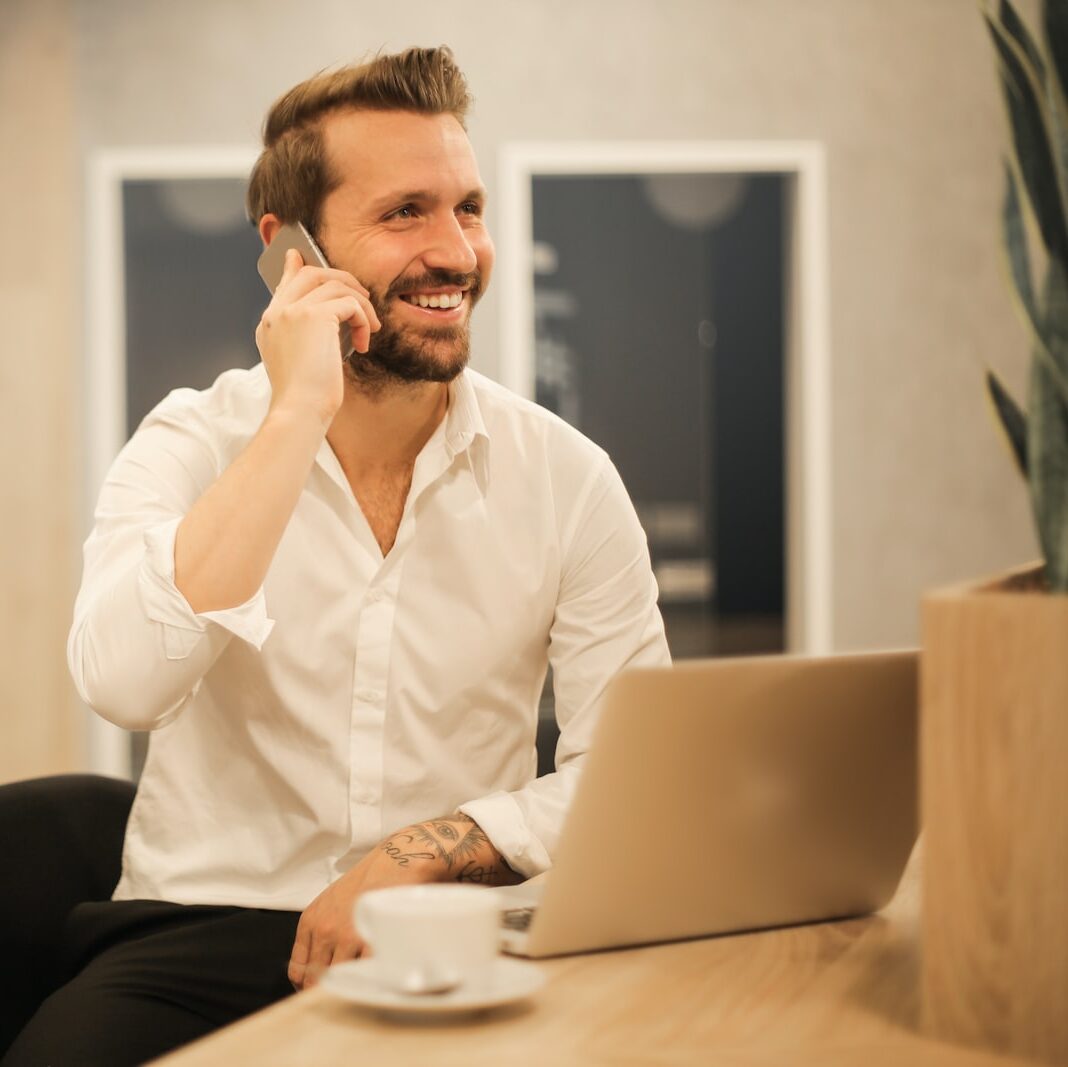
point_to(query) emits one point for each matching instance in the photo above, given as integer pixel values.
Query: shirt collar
(465, 429)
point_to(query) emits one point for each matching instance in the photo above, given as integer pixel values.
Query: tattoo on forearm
(395, 848)
(458, 842)
(476, 873)
(445, 829)
(472, 843)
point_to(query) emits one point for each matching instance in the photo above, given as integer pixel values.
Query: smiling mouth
(440, 301)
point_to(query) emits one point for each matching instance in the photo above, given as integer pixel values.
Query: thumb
(290, 265)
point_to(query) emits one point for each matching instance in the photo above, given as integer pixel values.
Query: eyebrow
(423, 196)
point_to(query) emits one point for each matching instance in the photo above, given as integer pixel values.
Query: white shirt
(355, 694)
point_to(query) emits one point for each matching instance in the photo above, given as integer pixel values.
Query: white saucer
(504, 981)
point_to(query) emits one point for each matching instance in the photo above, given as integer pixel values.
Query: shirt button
(369, 696)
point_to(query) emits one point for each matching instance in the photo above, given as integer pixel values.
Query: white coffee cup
(429, 938)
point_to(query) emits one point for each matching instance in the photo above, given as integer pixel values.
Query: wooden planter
(994, 803)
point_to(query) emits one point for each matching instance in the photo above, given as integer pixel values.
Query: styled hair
(292, 176)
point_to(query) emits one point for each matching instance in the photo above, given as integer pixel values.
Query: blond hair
(292, 176)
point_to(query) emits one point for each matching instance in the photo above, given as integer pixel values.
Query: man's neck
(386, 429)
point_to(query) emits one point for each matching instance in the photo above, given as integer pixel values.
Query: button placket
(370, 683)
(370, 691)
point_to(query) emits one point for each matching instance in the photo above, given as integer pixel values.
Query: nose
(449, 247)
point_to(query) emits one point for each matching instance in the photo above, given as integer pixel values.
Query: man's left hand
(450, 849)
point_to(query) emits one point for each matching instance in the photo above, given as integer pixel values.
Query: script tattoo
(425, 837)
(397, 851)
(476, 873)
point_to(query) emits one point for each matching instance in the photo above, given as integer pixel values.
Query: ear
(268, 227)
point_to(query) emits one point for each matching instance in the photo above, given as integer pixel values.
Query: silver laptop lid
(733, 794)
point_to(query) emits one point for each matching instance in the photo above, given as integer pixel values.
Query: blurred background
(662, 313)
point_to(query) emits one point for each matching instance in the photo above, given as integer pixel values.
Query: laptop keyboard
(517, 918)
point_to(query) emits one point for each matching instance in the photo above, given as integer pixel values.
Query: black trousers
(88, 981)
(150, 976)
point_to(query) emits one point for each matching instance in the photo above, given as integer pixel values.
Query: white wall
(41, 730)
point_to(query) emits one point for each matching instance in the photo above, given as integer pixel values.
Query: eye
(402, 213)
(471, 207)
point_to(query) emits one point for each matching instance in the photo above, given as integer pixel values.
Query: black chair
(60, 844)
(547, 738)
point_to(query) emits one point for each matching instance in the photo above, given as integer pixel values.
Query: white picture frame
(809, 593)
(108, 749)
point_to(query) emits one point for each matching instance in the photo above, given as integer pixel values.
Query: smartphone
(272, 262)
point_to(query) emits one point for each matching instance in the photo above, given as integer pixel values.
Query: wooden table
(829, 994)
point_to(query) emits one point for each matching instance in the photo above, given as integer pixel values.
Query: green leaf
(1010, 418)
(1047, 437)
(1019, 32)
(1058, 127)
(1025, 100)
(1044, 79)
(1055, 32)
(1047, 453)
(1014, 244)
(1055, 320)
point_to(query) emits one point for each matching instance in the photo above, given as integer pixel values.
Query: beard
(404, 355)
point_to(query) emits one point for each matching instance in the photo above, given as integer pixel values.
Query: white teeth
(438, 300)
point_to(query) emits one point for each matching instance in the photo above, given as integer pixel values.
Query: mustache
(434, 279)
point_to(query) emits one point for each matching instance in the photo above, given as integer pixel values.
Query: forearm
(227, 541)
(225, 544)
(453, 848)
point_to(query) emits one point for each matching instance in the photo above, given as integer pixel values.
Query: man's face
(407, 221)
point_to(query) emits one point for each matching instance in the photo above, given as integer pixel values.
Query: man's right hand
(298, 336)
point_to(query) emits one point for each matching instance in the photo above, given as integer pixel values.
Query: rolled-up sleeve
(606, 621)
(137, 651)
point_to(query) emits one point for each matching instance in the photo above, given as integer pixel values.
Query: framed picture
(173, 300)
(670, 301)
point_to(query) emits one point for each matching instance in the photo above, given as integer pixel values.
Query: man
(332, 590)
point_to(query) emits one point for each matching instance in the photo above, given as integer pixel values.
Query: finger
(374, 323)
(333, 290)
(298, 957)
(309, 278)
(349, 279)
(322, 951)
(304, 281)
(348, 309)
(362, 324)
(291, 265)
(361, 338)
(372, 316)
(361, 328)
(348, 948)
(360, 332)
(336, 275)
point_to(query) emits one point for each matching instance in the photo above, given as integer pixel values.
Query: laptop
(731, 795)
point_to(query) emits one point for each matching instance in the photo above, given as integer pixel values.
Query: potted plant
(994, 736)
